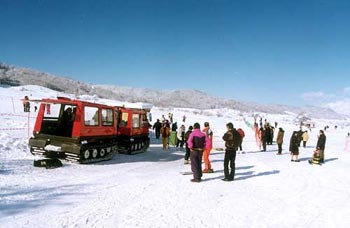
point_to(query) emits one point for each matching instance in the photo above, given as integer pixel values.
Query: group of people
(165, 128)
(295, 142)
(26, 104)
(264, 136)
(318, 156)
(199, 143)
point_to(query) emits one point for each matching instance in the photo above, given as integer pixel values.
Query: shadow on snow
(15, 201)
(153, 154)
(244, 175)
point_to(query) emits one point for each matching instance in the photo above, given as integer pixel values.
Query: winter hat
(229, 125)
(196, 126)
(190, 128)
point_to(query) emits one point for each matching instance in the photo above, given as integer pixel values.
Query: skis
(190, 173)
(186, 173)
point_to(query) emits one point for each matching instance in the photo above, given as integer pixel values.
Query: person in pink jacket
(197, 142)
(206, 152)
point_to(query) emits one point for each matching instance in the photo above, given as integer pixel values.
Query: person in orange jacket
(206, 152)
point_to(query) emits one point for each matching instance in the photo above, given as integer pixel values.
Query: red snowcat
(88, 132)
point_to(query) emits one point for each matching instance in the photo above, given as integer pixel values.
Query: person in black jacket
(66, 122)
(294, 147)
(232, 139)
(187, 135)
(279, 140)
(321, 143)
(157, 126)
(263, 136)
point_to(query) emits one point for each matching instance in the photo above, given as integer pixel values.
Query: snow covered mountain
(14, 76)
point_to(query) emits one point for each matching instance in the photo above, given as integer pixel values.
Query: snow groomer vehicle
(87, 132)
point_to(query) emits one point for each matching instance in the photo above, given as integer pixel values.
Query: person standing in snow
(279, 140)
(299, 136)
(170, 116)
(150, 117)
(232, 139)
(241, 133)
(206, 153)
(187, 135)
(163, 119)
(347, 140)
(165, 132)
(305, 137)
(263, 138)
(267, 128)
(180, 136)
(26, 104)
(321, 144)
(197, 142)
(257, 135)
(174, 126)
(294, 147)
(156, 126)
(272, 132)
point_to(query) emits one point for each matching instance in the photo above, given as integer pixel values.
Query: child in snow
(315, 158)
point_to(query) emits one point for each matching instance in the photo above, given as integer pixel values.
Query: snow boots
(208, 171)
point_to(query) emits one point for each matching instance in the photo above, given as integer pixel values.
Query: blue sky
(284, 52)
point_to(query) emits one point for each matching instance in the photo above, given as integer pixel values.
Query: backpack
(237, 138)
(229, 140)
(241, 132)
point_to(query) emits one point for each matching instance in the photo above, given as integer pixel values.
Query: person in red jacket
(241, 133)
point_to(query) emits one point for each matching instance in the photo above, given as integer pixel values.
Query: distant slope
(15, 76)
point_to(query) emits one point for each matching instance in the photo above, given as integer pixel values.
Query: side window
(144, 120)
(107, 117)
(52, 111)
(124, 119)
(135, 120)
(91, 117)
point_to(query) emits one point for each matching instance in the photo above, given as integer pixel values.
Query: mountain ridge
(17, 76)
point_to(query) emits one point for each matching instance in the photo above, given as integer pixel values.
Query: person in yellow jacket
(305, 137)
(206, 152)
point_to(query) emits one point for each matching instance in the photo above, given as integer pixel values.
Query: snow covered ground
(147, 190)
